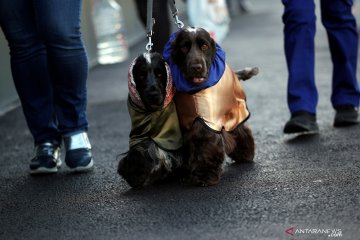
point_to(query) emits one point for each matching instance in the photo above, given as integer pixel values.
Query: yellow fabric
(220, 106)
(161, 126)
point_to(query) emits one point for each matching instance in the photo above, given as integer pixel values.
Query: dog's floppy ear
(175, 49)
(206, 35)
(247, 73)
(212, 46)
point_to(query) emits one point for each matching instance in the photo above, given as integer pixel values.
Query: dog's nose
(196, 67)
(152, 92)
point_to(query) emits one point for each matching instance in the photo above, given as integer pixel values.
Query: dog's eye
(159, 72)
(204, 47)
(184, 49)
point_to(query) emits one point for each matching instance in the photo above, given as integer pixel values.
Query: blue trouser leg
(299, 33)
(49, 64)
(341, 29)
(29, 68)
(67, 61)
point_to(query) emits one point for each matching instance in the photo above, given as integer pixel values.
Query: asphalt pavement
(308, 186)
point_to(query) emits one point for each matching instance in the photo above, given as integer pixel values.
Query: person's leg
(341, 28)
(299, 32)
(59, 25)
(299, 37)
(162, 27)
(343, 39)
(29, 68)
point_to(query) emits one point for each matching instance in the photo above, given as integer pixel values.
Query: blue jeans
(49, 64)
(299, 32)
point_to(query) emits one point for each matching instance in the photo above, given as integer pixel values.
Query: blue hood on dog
(181, 84)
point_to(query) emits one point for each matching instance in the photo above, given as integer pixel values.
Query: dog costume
(220, 102)
(161, 126)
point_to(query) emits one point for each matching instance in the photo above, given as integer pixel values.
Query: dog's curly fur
(193, 50)
(145, 162)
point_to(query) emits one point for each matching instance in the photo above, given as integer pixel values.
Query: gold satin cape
(220, 106)
(161, 126)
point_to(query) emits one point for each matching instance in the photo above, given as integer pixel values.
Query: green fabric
(161, 126)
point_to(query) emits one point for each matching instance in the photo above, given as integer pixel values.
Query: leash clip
(179, 23)
(149, 45)
(175, 12)
(149, 34)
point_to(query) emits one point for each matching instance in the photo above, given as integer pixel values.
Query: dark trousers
(48, 63)
(299, 32)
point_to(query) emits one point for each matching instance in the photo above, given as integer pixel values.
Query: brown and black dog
(211, 105)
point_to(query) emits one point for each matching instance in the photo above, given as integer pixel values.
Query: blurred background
(110, 28)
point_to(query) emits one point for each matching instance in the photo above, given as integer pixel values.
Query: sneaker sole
(301, 130)
(44, 170)
(296, 128)
(298, 134)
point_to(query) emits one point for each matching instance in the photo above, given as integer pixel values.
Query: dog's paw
(133, 174)
(247, 73)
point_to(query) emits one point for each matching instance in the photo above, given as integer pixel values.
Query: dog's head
(150, 82)
(193, 50)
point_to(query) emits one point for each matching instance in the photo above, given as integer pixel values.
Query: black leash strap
(175, 12)
(150, 21)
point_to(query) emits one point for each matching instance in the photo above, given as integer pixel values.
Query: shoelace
(46, 149)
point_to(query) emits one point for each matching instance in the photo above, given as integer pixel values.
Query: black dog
(155, 137)
(212, 112)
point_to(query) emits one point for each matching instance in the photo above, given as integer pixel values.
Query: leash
(175, 12)
(150, 21)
